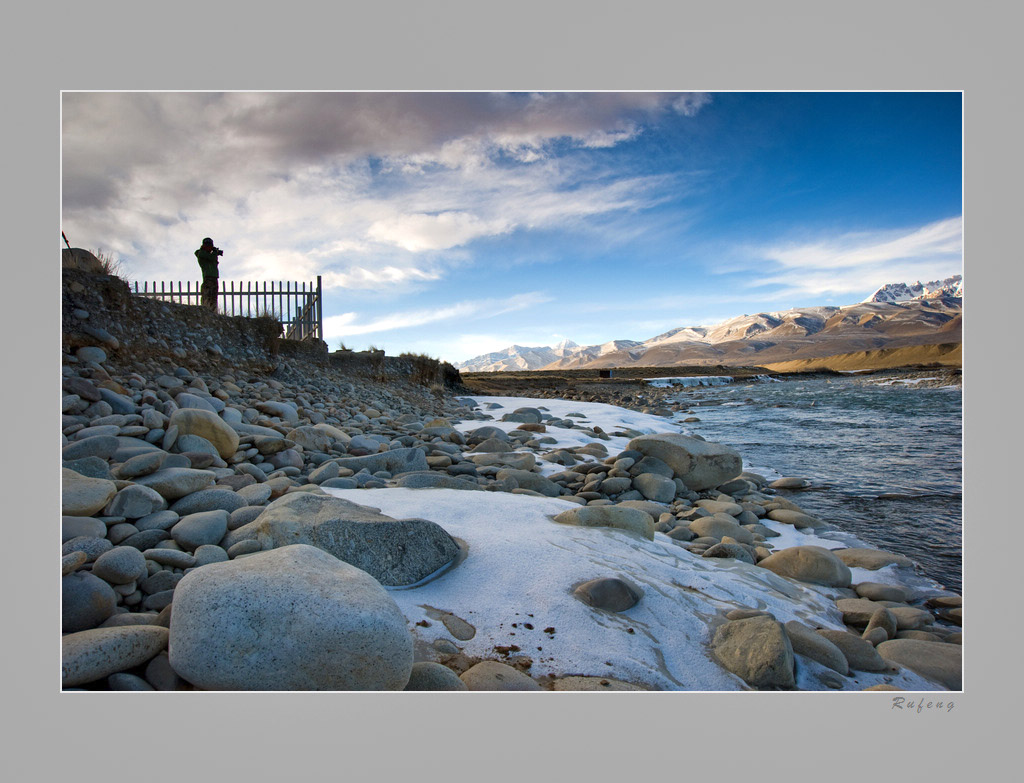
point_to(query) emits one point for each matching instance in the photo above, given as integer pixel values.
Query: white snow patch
(521, 568)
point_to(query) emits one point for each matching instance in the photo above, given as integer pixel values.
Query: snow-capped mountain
(904, 292)
(518, 357)
(896, 315)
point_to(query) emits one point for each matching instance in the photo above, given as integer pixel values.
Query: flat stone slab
(393, 551)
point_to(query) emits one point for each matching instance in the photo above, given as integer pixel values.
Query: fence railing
(298, 306)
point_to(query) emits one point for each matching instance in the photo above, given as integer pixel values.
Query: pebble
(95, 654)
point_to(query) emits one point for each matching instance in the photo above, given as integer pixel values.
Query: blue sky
(457, 224)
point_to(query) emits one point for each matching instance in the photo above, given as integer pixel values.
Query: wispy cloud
(349, 324)
(855, 262)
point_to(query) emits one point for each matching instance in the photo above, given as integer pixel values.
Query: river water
(885, 460)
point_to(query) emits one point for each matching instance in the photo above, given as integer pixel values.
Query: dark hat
(207, 241)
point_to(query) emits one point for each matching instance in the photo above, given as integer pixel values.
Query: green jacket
(207, 262)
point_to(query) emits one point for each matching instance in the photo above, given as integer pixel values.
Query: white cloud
(348, 324)
(854, 263)
(371, 191)
(420, 232)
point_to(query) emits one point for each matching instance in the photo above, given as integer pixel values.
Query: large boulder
(295, 618)
(631, 519)
(208, 425)
(758, 650)
(701, 465)
(938, 661)
(813, 564)
(393, 551)
(80, 259)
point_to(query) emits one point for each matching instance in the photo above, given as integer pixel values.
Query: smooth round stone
(195, 444)
(135, 502)
(579, 683)
(254, 494)
(808, 564)
(91, 353)
(91, 655)
(86, 601)
(226, 500)
(71, 562)
(146, 539)
(92, 546)
(340, 483)
(85, 389)
(122, 681)
(758, 650)
(161, 676)
(720, 507)
(655, 487)
(186, 400)
(816, 647)
(120, 531)
(494, 676)
(875, 636)
(431, 676)
(159, 582)
(871, 559)
(195, 530)
(245, 515)
(158, 601)
(909, 618)
(730, 552)
(90, 467)
(609, 593)
(883, 620)
(76, 527)
(246, 547)
(83, 497)
(121, 565)
(858, 611)
(860, 654)
(937, 661)
(875, 591)
(158, 520)
(294, 618)
(171, 557)
(209, 553)
(174, 483)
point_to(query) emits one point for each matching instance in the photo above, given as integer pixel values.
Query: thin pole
(319, 309)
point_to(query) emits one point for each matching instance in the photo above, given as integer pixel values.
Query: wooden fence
(298, 307)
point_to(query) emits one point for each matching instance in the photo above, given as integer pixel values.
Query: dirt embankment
(945, 355)
(100, 310)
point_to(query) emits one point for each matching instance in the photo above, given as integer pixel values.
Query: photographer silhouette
(207, 256)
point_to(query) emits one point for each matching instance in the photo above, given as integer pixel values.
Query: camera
(218, 251)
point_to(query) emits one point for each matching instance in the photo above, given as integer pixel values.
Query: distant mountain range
(896, 315)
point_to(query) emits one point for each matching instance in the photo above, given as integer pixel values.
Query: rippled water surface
(885, 460)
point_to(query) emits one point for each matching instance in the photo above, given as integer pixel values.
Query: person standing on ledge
(207, 256)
